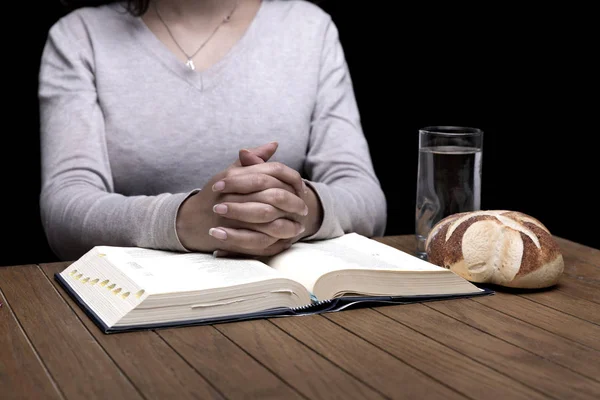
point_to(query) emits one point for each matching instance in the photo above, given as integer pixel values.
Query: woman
(201, 125)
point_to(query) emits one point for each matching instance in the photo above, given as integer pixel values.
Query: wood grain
(155, 369)
(546, 344)
(301, 367)
(564, 302)
(520, 364)
(22, 373)
(581, 271)
(579, 251)
(466, 375)
(385, 372)
(559, 323)
(79, 365)
(579, 288)
(228, 367)
(512, 345)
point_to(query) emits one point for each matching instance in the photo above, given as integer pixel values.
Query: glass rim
(452, 130)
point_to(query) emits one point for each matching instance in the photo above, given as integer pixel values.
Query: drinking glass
(448, 176)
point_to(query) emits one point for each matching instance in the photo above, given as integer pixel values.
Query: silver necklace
(190, 62)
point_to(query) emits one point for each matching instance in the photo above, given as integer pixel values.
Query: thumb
(247, 158)
(256, 155)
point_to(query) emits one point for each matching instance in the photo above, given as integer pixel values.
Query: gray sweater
(128, 131)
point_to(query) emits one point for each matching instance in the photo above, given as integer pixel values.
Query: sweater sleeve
(338, 163)
(78, 205)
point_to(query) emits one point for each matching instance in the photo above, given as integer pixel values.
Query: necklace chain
(190, 62)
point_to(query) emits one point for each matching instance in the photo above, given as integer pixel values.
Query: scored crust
(501, 247)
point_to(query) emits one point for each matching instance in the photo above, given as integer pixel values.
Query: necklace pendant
(190, 64)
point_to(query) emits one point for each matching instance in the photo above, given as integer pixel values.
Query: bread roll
(505, 248)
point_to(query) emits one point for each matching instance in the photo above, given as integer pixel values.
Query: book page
(166, 272)
(305, 262)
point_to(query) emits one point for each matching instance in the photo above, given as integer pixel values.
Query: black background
(525, 76)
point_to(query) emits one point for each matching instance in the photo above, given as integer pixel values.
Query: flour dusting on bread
(502, 247)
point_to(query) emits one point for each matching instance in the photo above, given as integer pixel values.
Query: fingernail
(218, 186)
(304, 187)
(305, 211)
(220, 209)
(301, 229)
(217, 233)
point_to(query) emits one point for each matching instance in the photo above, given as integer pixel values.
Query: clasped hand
(253, 207)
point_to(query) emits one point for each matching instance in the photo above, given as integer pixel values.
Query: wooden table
(511, 345)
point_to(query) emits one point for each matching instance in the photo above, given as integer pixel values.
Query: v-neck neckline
(207, 78)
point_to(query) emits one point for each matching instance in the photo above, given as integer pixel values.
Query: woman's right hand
(252, 210)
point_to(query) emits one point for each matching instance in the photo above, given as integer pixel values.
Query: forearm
(77, 218)
(350, 205)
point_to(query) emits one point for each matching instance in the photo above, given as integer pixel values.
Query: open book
(130, 288)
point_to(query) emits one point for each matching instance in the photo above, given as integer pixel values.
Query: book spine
(314, 308)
